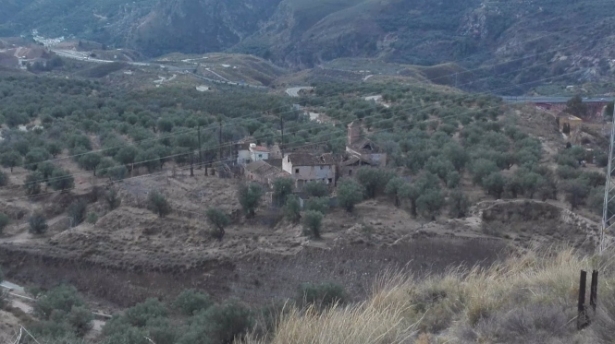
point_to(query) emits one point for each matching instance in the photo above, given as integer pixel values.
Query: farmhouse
(306, 167)
(362, 149)
(264, 173)
(258, 153)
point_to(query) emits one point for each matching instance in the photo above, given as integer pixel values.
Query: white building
(305, 167)
(258, 153)
(244, 156)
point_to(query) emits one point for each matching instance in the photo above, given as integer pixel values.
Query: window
(330, 181)
(297, 171)
(321, 167)
(260, 155)
(350, 172)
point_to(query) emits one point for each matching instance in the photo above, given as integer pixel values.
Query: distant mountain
(537, 39)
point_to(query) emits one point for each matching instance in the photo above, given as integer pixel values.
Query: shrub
(312, 222)
(494, 184)
(219, 220)
(219, 324)
(158, 204)
(282, 187)
(142, 312)
(62, 180)
(453, 179)
(4, 221)
(38, 224)
(162, 331)
(80, 319)
(292, 209)
(319, 204)
(249, 197)
(77, 212)
(92, 218)
(190, 302)
(62, 298)
(349, 193)
(576, 192)
(315, 189)
(322, 295)
(113, 199)
(32, 184)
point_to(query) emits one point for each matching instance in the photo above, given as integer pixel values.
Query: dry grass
(528, 299)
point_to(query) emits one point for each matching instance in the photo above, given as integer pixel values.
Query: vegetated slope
(528, 299)
(539, 39)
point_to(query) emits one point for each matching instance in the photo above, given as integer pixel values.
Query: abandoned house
(264, 173)
(360, 151)
(306, 167)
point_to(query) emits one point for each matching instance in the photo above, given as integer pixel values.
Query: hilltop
(530, 41)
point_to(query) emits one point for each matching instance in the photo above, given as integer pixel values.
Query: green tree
(190, 302)
(10, 160)
(292, 209)
(482, 168)
(430, 202)
(282, 187)
(4, 221)
(77, 212)
(395, 188)
(219, 220)
(32, 184)
(62, 180)
(349, 193)
(315, 189)
(90, 161)
(165, 125)
(38, 224)
(457, 155)
(494, 184)
(34, 157)
(459, 204)
(126, 155)
(576, 192)
(312, 222)
(320, 204)
(45, 169)
(54, 149)
(249, 197)
(158, 204)
(374, 180)
(576, 107)
(148, 159)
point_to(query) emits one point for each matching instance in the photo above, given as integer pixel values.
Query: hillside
(561, 39)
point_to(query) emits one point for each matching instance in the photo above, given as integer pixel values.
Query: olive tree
(249, 197)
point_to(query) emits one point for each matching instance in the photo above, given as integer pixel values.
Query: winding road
(294, 91)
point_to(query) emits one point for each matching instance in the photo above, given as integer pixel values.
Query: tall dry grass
(528, 299)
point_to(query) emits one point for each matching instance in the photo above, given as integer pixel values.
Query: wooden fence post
(582, 314)
(593, 296)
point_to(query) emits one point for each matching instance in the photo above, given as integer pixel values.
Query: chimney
(354, 133)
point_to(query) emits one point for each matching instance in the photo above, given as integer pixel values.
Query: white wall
(257, 156)
(243, 156)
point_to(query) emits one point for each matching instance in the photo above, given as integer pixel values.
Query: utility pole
(609, 191)
(220, 139)
(200, 150)
(282, 129)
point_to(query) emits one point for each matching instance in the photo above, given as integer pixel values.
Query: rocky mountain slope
(561, 37)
